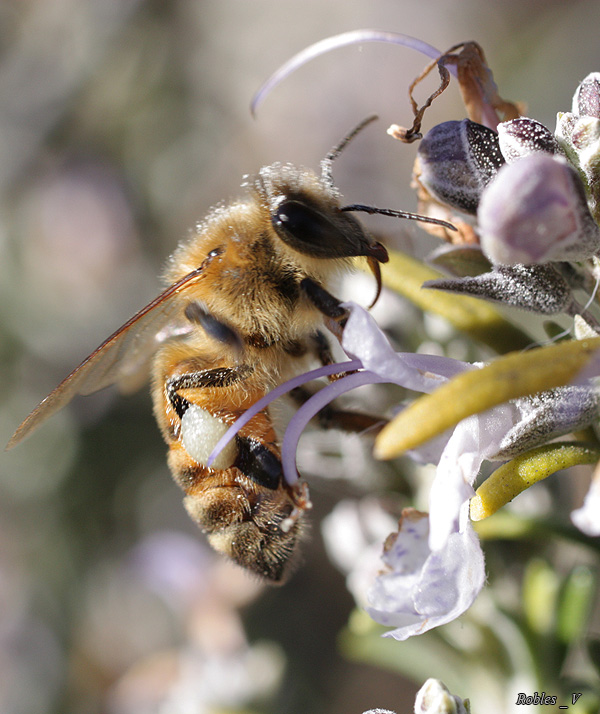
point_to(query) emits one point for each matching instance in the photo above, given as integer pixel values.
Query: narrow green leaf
(540, 594)
(523, 471)
(576, 600)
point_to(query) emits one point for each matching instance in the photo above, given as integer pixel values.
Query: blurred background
(121, 123)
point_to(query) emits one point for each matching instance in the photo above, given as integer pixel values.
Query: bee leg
(217, 377)
(324, 354)
(326, 303)
(197, 313)
(322, 348)
(331, 417)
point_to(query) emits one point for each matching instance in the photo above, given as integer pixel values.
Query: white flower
(353, 533)
(434, 698)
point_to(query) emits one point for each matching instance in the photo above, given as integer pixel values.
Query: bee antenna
(327, 162)
(398, 214)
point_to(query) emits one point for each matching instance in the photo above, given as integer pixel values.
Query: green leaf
(540, 594)
(523, 471)
(576, 600)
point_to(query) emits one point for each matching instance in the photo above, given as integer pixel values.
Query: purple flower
(586, 100)
(522, 137)
(456, 161)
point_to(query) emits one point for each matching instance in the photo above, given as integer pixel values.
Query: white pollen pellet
(200, 431)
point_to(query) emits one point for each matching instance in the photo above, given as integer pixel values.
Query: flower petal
(473, 440)
(423, 588)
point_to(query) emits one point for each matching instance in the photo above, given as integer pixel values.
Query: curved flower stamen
(274, 394)
(342, 40)
(311, 408)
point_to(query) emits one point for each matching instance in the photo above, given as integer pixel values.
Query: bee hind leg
(216, 377)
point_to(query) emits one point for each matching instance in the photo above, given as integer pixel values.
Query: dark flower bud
(521, 137)
(536, 288)
(535, 211)
(549, 414)
(457, 160)
(586, 101)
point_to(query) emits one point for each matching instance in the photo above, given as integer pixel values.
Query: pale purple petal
(452, 577)
(423, 588)
(363, 339)
(473, 440)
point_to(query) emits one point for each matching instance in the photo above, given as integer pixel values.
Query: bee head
(306, 214)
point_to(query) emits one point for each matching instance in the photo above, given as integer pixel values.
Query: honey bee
(244, 310)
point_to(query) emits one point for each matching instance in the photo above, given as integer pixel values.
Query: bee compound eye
(299, 220)
(200, 431)
(307, 230)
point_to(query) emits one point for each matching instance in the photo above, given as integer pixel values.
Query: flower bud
(457, 160)
(586, 100)
(521, 137)
(547, 415)
(580, 137)
(435, 698)
(535, 211)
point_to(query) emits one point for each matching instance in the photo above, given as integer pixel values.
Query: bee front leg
(326, 303)
(198, 314)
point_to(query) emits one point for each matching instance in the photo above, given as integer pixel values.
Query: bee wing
(116, 357)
